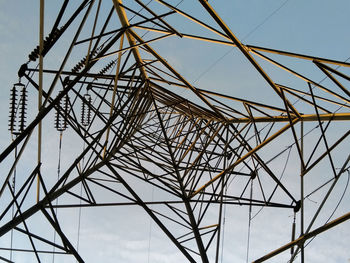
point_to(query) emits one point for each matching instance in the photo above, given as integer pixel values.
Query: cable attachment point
(228, 155)
(66, 82)
(22, 70)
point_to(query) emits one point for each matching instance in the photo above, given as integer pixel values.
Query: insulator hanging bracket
(297, 206)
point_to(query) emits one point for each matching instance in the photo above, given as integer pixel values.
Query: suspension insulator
(86, 110)
(53, 36)
(61, 123)
(13, 106)
(293, 238)
(23, 109)
(107, 67)
(82, 62)
(293, 235)
(18, 109)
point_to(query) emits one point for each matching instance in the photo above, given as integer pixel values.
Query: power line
(244, 38)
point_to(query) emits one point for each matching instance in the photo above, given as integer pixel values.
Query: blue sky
(316, 28)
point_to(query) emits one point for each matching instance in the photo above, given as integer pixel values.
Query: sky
(127, 234)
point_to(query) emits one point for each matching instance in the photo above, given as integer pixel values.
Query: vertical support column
(221, 202)
(302, 188)
(41, 48)
(114, 93)
(125, 23)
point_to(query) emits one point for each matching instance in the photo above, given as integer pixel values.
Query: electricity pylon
(203, 152)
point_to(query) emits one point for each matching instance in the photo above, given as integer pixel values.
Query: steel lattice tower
(143, 125)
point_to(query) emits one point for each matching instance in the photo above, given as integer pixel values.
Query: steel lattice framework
(124, 101)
